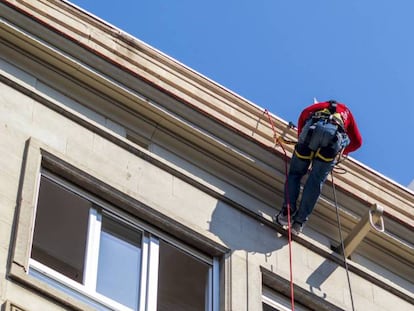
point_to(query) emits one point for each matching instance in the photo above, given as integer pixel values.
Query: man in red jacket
(324, 130)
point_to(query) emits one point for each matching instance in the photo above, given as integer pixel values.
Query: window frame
(278, 301)
(150, 239)
(38, 160)
(276, 293)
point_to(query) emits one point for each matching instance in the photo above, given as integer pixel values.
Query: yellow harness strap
(300, 156)
(334, 117)
(312, 155)
(318, 155)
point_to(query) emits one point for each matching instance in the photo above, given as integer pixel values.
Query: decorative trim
(11, 306)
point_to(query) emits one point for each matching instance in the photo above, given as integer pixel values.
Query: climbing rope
(279, 141)
(342, 241)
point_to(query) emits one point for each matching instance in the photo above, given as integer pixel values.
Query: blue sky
(281, 54)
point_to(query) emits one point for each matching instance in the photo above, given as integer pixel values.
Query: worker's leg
(312, 189)
(298, 168)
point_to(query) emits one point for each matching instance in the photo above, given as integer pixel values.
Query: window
(181, 275)
(106, 259)
(274, 301)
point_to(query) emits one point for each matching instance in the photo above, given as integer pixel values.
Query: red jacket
(350, 125)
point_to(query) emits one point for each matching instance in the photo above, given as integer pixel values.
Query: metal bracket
(375, 214)
(370, 219)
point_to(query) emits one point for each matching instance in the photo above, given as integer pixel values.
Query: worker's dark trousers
(312, 188)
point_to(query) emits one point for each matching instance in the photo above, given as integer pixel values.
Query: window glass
(182, 280)
(119, 263)
(266, 307)
(59, 238)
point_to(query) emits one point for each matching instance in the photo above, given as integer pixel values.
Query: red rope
(278, 142)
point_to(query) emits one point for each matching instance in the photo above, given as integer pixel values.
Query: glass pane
(182, 280)
(119, 263)
(59, 238)
(266, 307)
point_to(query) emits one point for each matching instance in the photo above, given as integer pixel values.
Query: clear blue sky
(281, 54)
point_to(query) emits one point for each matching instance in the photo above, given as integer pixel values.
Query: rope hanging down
(279, 141)
(342, 242)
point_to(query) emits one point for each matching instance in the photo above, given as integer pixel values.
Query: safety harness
(323, 135)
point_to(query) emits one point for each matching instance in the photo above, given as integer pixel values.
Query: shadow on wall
(319, 276)
(239, 231)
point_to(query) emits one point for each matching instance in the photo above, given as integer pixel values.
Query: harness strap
(330, 113)
(325, 114)
(320, 156)
(313, 155)
(304, 157)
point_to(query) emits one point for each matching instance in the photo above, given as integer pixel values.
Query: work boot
(282, 219)
(296, 228)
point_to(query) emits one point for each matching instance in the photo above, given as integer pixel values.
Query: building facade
(131, 182)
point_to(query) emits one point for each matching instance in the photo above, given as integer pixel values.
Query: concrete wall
(253, 245)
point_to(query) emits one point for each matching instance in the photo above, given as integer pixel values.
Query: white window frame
(151, 275)
(86, 292)
(92, 249)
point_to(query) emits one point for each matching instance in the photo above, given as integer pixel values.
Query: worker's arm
(353, 134)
